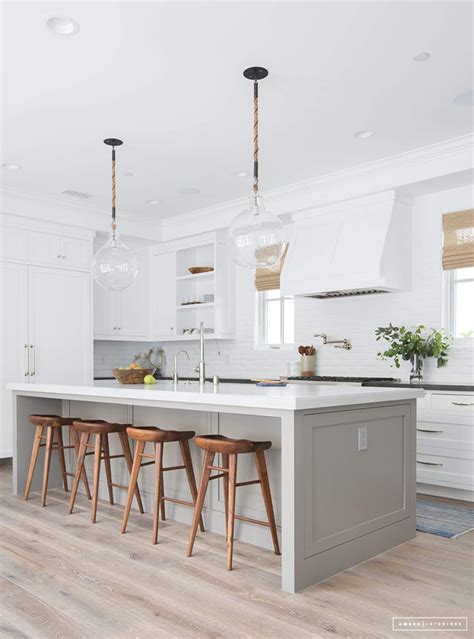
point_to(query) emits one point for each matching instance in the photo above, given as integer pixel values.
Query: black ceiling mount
(255, 73)
(113, 141)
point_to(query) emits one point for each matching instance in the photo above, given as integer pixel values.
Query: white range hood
(357, 247)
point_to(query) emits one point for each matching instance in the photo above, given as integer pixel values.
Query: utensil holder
(308, 365)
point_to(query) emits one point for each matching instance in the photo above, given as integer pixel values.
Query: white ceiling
(167, 79)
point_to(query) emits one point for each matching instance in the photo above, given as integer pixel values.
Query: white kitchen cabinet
(14, 243)
(163, 295)
(57, 250)
(121, 315)
(46, 331)
(445, 444)
(13, 340)
(59, 326)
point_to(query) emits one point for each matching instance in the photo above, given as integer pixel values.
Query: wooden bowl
(132, 375)
(194, 270)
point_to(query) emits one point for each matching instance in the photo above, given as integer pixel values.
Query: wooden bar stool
(101, 430)
(229, 450)
(159, 438)
(53, 425)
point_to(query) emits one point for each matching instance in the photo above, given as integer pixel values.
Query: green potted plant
(414, 346)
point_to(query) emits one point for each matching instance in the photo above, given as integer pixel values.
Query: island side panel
(292, 501)
(23, 433)
(358, 503)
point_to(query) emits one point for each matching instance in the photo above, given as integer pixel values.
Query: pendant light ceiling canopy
(256, 236)
(115, 267)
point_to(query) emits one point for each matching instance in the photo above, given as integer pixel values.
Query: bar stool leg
(108, 470)
(267, 497)
(162, 499)
(158, 490)
(47, 462)
(81, 455)
(95, 488)
(225, 481)
(205, 475)
(188, 462)
(231, 508)
(62, 461)
(128, 458)
(137, 460)
(34, 459)
(75, 442)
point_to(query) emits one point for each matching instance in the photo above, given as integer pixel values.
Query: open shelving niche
(217, 315)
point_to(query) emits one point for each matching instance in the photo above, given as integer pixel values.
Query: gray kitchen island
(342, 464)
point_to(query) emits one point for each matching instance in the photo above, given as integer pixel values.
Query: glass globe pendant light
(256, 236)
(114, 267)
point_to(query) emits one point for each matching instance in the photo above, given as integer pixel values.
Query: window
(460, 302)
(275, 319)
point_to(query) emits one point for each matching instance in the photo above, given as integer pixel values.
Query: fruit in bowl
(133, 374)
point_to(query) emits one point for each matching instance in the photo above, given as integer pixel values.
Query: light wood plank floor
(63, 577)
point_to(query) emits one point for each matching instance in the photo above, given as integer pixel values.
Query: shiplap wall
(354, 318)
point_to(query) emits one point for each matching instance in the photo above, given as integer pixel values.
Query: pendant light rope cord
(255, 138)
(114, 225)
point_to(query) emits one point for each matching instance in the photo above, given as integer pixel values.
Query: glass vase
(416, 373)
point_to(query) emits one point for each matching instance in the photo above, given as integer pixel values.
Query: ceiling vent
(78, 194)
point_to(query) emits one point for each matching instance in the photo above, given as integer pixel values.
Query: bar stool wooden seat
(101, 430)
(53, 425)
(229, 450)
(159, 437)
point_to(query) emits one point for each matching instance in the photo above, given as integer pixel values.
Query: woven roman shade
(458, 245)
(268, 279)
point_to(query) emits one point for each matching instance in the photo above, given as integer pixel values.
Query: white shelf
(198, 276)
(188, 307)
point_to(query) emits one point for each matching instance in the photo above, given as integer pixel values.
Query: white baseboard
(444, 491)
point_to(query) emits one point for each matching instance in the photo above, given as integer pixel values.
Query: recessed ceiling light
(188, 190)
(464, 99)
(128, 173)
(240, 174)
(62, 26)
(10, 166)
(153, 201)
(423, 56)
(361, 135)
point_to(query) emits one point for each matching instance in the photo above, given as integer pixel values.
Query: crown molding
(39, 207)
(393, 172)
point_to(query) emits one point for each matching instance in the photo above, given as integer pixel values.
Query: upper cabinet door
(60, 328)
(133, 318)
(45, 248)
(77, 253)
(13, 243)
(106, 312)
(163, 295)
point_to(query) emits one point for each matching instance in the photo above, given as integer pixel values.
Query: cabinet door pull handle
(425, 463)
(427, 430)
(25, 360)
(462, 403)
(33, 358)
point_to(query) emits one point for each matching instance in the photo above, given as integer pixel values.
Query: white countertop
(292, 397)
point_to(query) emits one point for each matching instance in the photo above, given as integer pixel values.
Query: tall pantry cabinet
(45, 311)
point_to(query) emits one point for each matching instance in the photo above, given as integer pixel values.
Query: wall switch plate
(362, 438)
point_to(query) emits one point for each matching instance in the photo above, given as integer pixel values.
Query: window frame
(261, 302)
(449, 318)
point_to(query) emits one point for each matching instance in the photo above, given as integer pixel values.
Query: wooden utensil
(301, 350)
